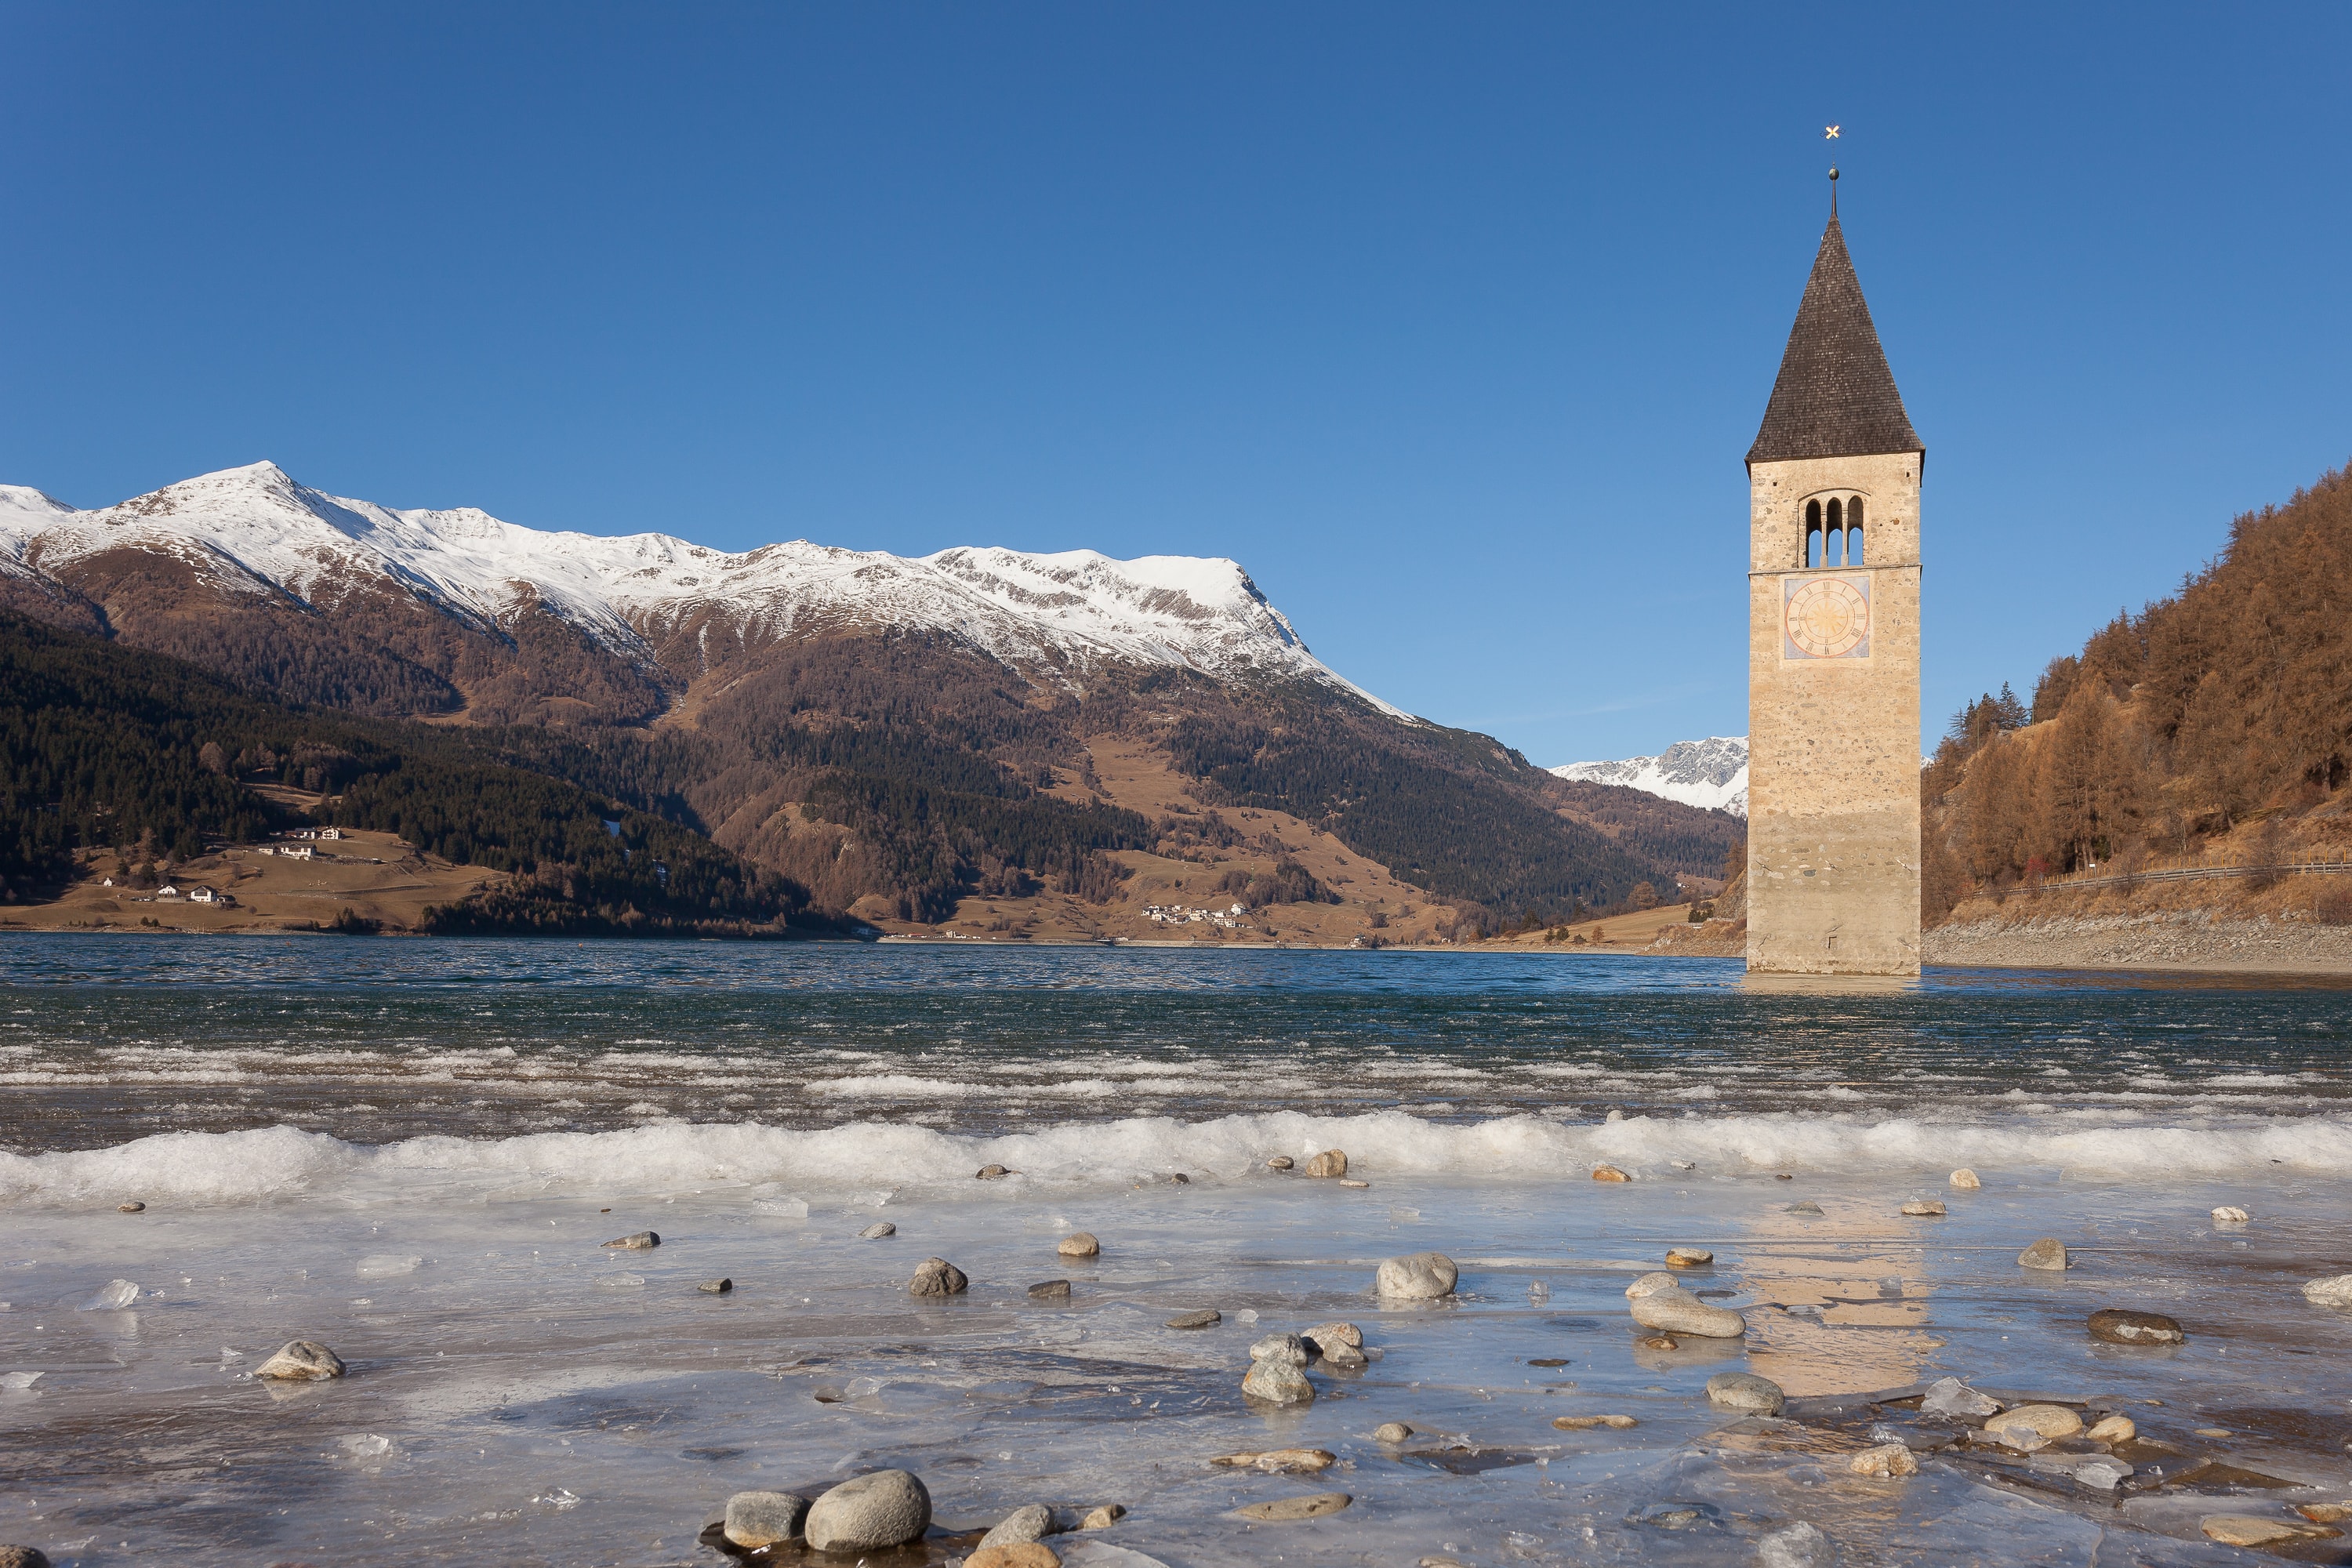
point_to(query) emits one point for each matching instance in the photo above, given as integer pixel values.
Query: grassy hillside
(103, 746)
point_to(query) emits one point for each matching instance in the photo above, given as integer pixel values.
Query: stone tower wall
(1833, 743)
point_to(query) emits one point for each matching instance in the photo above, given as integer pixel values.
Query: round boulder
(1417, 1277)
(1277, 1382)
(1330, 1163)
(2336, 1290)
(23, 1557)
(937, 1277)
(1675, 1311)
(1746, 1393)
(1965, 1180)
(886, 1507)
(1280, 1347)
(2047, 1253)
(1079, 1243)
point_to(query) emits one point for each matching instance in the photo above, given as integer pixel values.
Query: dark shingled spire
(1835, 397)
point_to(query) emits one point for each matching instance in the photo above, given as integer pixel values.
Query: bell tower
(1833, 647)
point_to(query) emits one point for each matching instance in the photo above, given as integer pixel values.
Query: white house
(203, 895)
(167, 891)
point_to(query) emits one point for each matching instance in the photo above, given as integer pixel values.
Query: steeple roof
(1835, 397)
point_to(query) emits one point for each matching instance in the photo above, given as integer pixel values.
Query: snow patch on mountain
(255, 529)
(1710, 773)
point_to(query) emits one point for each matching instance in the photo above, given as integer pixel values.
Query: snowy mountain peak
(1710, 773)
(257, 530)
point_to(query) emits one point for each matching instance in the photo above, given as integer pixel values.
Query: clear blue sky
(1452, 323)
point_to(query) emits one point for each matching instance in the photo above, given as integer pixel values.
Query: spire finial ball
(1834, 171)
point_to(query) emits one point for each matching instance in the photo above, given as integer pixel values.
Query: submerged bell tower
(1833, 647)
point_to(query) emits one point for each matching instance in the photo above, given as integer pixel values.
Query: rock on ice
(636, 1241)
(937, 1277)
(302, 1361)
(2120, 1326)
(1417, 1277)
(2047, 1253)
(2336, 1290)
(1330, 1163)
(1799, 1545)
(1886, 1460)
(1032, 1521)
(1079, 1243)
(1950, 1396)
(886, 1507)
(760, 1519)
(1965, 1180)
(1746, 1393)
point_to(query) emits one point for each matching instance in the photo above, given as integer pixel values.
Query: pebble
(2230, 1213)
(1675, 1311)
(1922, 1207)
(1417, 1277)
(715, 1286)
(993, 1174)
(1206, 1318)
(1684, 1164)
(1587, 1423)
(1032, 1522)
(1351, 1181)
(1280, 1347)
(1688, 1258)
(1886, 1460)
(2336, 1290)
(1658, 1342)
(1079, 1243)
(877, 1230)
(1103, 1518)
(1950, 1396)
(23, 1557)
(1276, 1381)
(938, 1276)
(2044, 1421)
(2247, 1529)
(1019, 1555)
(2120, 1327)
(2324, 1512)
(1281, 1461)
(1330, 1163)
(1323, 1336)
(1799, 1545)
(132, 1207)
(1288, 1510)
(1280, 1162)
(1965, 1180)
(1051, 1291)
(636, 1241)
(886, 1507)
(2113, 1429)
(1746, 1393)
(2047, 1253)
(1807, 1207)
(1391, 1432)
(1783, 1176)
(1609, 1173)
(761, 1519)
(302, 1361)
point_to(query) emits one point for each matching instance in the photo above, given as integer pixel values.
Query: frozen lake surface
(412, 1152)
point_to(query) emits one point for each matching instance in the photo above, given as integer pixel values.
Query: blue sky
(1452, 323)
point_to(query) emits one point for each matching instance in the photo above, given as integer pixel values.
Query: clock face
(1828, 617)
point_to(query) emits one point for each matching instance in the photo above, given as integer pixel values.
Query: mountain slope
(899, 736)
(1711, 774)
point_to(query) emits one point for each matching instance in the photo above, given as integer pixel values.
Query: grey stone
(1746, 1393)
(1417, 1277)
(1277, 1382)
(1688, 1258)
(1079, 1243)
(1965, 1180)
(1323, 1334)
(1051, 1291)
(877, 1230)
(2336, 1290)
(1206, 1318)
(1799, 1545)
(715, 1286)
(886, 1507)
(1280, 1162)
(1280, 1347)
(2121, 1326)
(938, 1276)
(23, 1557)
(134, 1206)
(1103, 1518)
(2047, 1253)
(302, 1361)
(1330, 1163)
(636, 1241)
(1391, 1432)
(1032, 1522)
(1922, 1209)
(1675, 1311)
(993, 1173)
(761, 1519)
(1950, 1396)
(1340, 1353)
(1806, 1207)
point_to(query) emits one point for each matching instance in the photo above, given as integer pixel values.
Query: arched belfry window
(1853, 532)
(1833, 532)
(1816, 547)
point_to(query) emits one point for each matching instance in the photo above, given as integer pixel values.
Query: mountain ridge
(1711, 773)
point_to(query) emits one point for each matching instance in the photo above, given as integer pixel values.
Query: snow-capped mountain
(653, 599)
(1711, 773)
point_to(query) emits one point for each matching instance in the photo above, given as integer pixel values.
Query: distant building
(167, 891)
(331, 833)
(203, 896)
(295, 851)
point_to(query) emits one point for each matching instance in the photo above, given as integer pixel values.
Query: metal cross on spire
(1830, 133)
